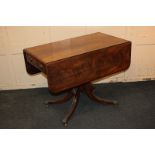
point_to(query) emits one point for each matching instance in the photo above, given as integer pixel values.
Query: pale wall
(13, 39)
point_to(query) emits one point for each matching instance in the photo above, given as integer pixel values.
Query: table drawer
(31, 60)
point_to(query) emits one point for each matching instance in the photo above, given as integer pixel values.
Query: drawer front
(74, 71)
(35, 63)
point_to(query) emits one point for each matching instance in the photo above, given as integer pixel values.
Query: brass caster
(64, 122)
(115, 102)
(46, 104)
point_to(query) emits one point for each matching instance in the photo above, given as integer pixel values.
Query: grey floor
(25, 109)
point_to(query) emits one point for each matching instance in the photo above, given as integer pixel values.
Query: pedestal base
(88, 89)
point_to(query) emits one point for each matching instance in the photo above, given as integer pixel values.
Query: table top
(71, 47)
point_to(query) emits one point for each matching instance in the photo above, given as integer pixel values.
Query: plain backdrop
(13, 39)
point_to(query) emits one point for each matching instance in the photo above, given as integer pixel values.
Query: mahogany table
(72, 64)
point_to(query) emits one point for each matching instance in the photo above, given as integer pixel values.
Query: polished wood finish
(76, 92)
(77, 70)
(72, 47)
(68, 63)
(61, 100)
(88, 89)
(74, 63)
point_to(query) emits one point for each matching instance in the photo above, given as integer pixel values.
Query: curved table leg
(62, 100)
(89, 89)
(76, 95)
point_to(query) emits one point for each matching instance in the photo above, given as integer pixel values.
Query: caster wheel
(46, 104)
(115, 102)
(65, 124)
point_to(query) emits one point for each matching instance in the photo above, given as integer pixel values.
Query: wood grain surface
(77, 70)
(76, 61)
(71, 47)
